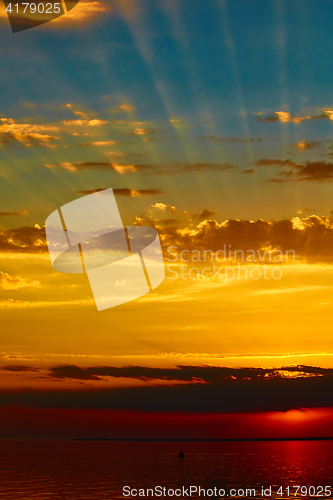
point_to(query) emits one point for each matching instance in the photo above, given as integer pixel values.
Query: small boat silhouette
(181, 455)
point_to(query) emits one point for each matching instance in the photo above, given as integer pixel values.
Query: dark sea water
(99, 470)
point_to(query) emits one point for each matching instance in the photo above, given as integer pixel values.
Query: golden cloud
(285, 117)
(90, 123)
(123, 169)
(100, 143)
(93, 165)
(304, 145)
(25, 132)
(84, 11)
(310, 237)
(8, 282)
(128, 108)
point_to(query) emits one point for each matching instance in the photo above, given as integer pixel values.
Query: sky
(212, 122)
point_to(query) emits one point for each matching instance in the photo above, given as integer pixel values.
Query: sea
(93, 470)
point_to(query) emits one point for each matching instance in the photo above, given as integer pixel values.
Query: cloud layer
(310, 237)
(317, 171)
(196, 389)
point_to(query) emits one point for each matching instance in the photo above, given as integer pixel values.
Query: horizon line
(327, 438)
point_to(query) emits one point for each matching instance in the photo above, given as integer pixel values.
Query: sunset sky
(212, 122)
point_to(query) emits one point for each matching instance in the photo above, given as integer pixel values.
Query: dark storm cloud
(317, 171)
(20, 368)
(182, 373)
(203, 389)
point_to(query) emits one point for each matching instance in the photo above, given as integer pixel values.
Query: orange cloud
(144, 131)
(89, 123)
(83, 12)
(8, 282)
(304, 145)
(100, 143)
(128, 108)
(285, 117)
(25, 132)
(80, 113)
(93, 165)
(13, 214)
